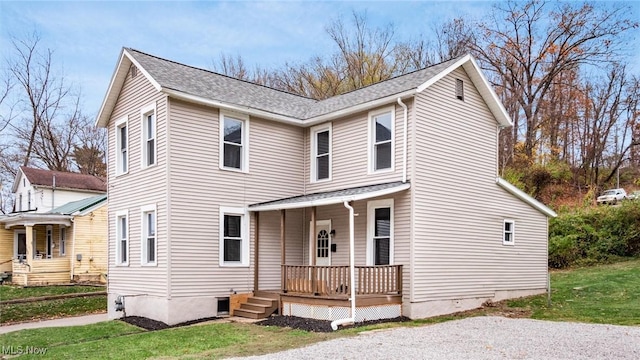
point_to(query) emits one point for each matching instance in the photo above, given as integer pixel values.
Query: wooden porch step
(257, 307)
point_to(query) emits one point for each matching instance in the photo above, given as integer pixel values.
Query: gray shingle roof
(217, 87)
(338, 195)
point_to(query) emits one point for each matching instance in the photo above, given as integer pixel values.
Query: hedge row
(595, 235)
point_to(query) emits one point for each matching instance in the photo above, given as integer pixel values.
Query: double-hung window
(234, 242)
(63, 241)
(122, 237)
(122, 146)
(149, 144)
(321, 153)
(234, 142)
(149, 236)
(381, 135)
(508, 233)
(380, 232)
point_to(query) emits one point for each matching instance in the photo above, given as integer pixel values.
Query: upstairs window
(149, 240)
(321, 153)
(148, 136)
(29, 200)
(508, 236)
(234, 147)
(459, 89)
(381, 135)
(122, 147)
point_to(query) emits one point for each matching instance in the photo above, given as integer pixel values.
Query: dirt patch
(313, 325)
(153, 325)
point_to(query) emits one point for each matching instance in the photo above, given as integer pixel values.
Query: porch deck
(41, 271)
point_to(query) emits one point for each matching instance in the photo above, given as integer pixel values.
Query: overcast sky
(87, 36)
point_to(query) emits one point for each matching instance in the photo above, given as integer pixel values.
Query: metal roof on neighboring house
(65, 180)
(332, 197)
(73, 207)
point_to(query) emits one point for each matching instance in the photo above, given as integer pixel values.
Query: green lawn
(601, 294)
(606, 294)
(9, 292)
(50, 309)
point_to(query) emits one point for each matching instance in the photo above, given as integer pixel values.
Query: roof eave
(330, 201)
(525, 197)
(481, 83)
(32, 219)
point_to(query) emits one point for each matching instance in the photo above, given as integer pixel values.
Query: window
(381, 125)
(148, 135)
(321, 153)
(508, 233)
(29, 200)
(234, 244)
(380, 232)
(122, 237)
(20, 202)
(149, 240)
(63, 241)
(122, 147)
(234, 147)
(459, 89)
(20, 244)
(49, 241)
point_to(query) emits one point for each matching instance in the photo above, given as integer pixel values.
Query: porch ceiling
(332, 197)
(31, 219)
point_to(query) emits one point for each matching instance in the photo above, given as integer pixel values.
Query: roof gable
(209, 88)
(61, 179)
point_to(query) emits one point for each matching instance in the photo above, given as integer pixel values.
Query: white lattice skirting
(323, 312)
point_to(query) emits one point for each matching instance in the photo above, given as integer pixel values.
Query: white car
(612, 196)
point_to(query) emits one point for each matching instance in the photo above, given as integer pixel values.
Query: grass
(600, 294)
(51, 309)
(605, 294)
(8, 292)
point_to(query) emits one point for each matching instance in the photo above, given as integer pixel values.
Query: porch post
(313, 236)
(256, 257)
(29, 240)
(283, 252)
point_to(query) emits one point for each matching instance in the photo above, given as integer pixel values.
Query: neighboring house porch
(65, 244)
(316, 282)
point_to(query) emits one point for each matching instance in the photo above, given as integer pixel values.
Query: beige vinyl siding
(350, 151)
(198, 188)
(269, 256)
(138, 188)
(6, 248)
(459, 209)
(90, 240)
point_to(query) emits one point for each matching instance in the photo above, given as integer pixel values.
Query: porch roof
(31, 219)
(332, 197)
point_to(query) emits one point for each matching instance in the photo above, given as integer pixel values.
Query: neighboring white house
(39, 190)
(224, 193)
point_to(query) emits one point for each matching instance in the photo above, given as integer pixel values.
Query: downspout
(352, 270)
(404, 140)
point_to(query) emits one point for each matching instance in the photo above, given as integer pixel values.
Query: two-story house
(380, 202)
(57, 230)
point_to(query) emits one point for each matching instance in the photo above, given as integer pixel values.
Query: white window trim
(244, 162)
(513, 232)
(371, 217)
(143, 130)
(244, 255)
(371, 139)
(48, 238)
(313, 153)
(124, 121)
(62, 250)
(15, 241)
(120, 214)
(143, 238)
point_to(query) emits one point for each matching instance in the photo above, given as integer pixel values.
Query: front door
(322, 239)
(20, 244)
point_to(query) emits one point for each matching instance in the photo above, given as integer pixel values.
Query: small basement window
(223, 306)
(460, 89)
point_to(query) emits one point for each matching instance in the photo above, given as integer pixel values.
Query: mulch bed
(295, 322)
(152, 325)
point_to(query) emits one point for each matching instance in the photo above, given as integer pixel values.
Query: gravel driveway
(485, 337)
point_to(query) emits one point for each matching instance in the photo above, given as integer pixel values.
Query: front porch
(318, 238)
